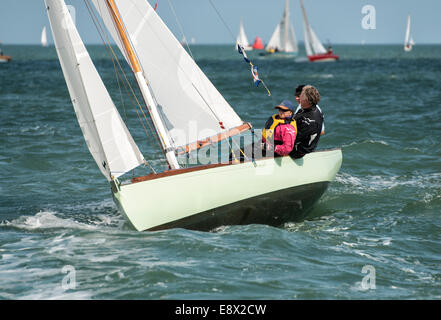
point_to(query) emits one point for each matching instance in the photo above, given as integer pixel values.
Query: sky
(334, 21)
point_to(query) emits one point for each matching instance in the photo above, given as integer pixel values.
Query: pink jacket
(287, 134)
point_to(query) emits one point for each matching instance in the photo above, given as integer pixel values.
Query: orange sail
(258, 45)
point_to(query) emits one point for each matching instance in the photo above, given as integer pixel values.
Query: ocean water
(375, 233)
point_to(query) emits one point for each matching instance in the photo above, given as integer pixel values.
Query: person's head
(309, 97)
(286, 109)
(298, 92)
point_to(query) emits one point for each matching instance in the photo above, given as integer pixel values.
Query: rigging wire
(220, 122)
(120, 77)
(241, 51)
(253, 70)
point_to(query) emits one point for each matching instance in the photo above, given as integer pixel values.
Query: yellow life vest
(271, 124)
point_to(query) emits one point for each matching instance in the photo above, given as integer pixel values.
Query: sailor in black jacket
(309, 121)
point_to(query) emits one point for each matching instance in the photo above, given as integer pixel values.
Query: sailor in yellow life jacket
(280, 130)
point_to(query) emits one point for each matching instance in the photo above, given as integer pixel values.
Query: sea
(375, 234)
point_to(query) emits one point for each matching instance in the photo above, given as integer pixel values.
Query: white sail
(306, 37)
(191, 107)
(242, 38)
(107, 137)
(283, 38)
(313, 45)
(316, 45)
(44, 37)
(408, 41)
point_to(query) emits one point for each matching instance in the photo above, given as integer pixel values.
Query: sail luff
(274, 41)
(130, 54)
(145, 91)
(106, 135)
(408, 41)
(306, 31)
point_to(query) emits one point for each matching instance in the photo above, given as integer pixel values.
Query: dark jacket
(309, 126)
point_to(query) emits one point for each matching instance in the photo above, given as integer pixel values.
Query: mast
(407, 38)
(287, 24)
(142, 83)
(308, 28)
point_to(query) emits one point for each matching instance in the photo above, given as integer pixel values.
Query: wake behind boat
(177, 96)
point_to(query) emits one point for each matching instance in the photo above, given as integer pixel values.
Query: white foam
(355, 143)
(47, 220)
(378, 183)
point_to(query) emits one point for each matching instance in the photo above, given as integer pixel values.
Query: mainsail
(107, 137)
(44, 37)
(191, 108)
(313, 45)
(283, 38)
(242, 38)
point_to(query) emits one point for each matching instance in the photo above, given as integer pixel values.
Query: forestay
(190, 106)
(107, 137)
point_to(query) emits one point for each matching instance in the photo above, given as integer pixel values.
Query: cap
(299, 89)
(285, 105)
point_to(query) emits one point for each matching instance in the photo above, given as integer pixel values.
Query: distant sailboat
(44, 37)
(4, 58)
(408, 41)
(283, 39)
(242, 38)
(314, 48)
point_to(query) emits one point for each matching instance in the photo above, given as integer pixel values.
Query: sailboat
(178, 97)
(314, 48)
(283, 39)
(408, 41)
(242, 38)
(44, 37)
(4, 58)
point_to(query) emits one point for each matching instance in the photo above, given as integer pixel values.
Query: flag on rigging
(254, 72)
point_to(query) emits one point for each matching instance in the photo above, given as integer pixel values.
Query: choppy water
(381, 215)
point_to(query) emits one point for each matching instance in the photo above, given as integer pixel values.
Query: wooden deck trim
(214, 139)
(170, 173)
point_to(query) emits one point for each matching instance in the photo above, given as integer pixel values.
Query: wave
(322, 76)
(359, 143)
(379, 183)
(47, 220)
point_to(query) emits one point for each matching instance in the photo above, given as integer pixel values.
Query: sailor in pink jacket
(283, 128)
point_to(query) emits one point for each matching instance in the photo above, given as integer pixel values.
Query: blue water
(375, 234)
